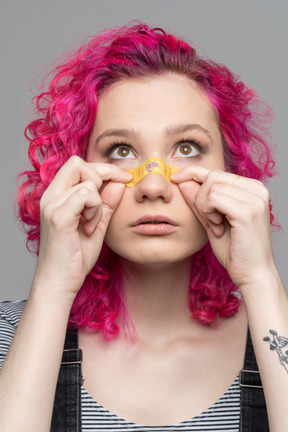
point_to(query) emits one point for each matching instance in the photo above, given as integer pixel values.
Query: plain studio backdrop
(250, 37)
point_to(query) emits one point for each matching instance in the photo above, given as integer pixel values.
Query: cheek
(190, 238)
(121, 218)
(195, 236)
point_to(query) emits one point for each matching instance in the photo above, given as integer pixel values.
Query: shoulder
(11, 311)
(10, 315)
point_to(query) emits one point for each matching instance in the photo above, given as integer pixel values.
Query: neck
(157, 299)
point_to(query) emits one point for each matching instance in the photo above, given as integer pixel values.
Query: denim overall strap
(253, 407)
(67, 404)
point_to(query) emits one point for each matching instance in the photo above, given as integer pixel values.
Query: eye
(187, 149)
(120, 151)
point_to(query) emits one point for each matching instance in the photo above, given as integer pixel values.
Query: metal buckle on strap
(76, 358)
(241, 379)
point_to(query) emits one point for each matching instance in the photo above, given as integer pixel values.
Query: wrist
(55, 284)
(267, 281)
(48, 293)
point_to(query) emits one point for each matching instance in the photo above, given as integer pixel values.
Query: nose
(153, 187)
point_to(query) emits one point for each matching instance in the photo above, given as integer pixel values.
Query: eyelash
(116, 144)
(193, 142)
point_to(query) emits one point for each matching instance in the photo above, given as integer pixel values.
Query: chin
(158, 254)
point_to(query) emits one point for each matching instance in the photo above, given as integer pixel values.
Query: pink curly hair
(66, 113)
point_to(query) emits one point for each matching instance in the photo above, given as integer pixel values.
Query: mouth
(154, 220)
(154, 225)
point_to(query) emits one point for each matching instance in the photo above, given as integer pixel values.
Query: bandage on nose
(152, 165)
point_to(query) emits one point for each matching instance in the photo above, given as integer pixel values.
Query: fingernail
(174, 176)
(128, 175)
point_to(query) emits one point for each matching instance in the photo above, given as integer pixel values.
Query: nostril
(153, 187)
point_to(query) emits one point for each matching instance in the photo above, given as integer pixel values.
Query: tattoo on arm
(277, 343)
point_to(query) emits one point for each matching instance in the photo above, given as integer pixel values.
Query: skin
(161, 263)
(87, 202)
(160, 104)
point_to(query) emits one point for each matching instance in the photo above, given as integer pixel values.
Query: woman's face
(166, 117)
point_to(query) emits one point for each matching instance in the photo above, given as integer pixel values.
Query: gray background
(249, 36)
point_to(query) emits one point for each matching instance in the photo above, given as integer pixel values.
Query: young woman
(161, 279)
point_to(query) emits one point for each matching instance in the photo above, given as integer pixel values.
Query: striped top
(223, 415)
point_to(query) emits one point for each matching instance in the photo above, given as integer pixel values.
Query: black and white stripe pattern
(223, 416)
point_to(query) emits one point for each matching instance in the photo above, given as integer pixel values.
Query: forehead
(153, 102)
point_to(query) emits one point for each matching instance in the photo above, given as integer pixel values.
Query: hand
(235, 213)
(74, 219)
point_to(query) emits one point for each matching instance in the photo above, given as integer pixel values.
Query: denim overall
(67, 405)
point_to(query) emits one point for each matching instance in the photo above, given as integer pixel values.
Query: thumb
(212, 220)
(111, 195)
(189, 190)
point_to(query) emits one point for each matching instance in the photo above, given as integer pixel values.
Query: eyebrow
(126, 133)
(170, 130)
(174, 129)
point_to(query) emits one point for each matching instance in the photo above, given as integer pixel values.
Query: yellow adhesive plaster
(152, 165)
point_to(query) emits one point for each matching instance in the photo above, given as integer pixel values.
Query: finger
(197, 174)
(238, 214)
(112, 172)
(237, 187)
(68, 214)
(235, 210)
(215, 222)
(190, 191)
(111, 196)
(234, 203)
(76, 170)
(217, 229)
(89, 213)
(92, 218)
(218, 177)
(244, 194)
(203, 175)
(56, 201)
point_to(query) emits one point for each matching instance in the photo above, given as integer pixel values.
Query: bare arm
(29, 374)
(235, 212)
(267, 308)
(74, 218)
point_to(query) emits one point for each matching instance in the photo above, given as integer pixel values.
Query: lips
(154, 220)
(151, 225)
